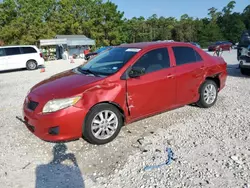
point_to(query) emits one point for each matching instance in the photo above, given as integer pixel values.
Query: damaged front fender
(107, 91)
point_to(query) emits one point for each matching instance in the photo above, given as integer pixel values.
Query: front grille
(32, 105)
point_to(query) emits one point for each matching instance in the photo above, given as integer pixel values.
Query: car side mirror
(136, 72)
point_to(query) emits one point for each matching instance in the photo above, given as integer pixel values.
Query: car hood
(64, 84)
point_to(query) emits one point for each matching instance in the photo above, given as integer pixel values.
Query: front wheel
(103, 123)
(208, 94)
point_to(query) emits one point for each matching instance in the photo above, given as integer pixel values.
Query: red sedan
(122, 85)
(221, 45)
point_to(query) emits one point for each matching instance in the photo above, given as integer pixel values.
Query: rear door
(155, 90)
(29, 53)
(15, 59)
(190, 69)
(3, 60)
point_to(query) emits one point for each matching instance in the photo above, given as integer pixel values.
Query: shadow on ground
(18, 70)
(56, 174)
(234, 71)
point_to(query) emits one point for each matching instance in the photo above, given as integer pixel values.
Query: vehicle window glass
(198, 57)
(109, 62)
(28, 50)
(184, 55)
(2, 53)
(154, 60)
(12, 51)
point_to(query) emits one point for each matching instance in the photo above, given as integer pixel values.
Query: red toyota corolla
(124, 84)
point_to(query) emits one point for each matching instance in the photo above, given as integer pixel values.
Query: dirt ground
(211, 146)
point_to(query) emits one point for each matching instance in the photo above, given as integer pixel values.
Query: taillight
(41, 55)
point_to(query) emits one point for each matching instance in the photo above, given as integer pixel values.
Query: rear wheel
(103, 123)
(31, 65)
(208, 94)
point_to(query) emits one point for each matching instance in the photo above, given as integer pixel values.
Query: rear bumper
(40, 61)
(245, 64)
(223, 79)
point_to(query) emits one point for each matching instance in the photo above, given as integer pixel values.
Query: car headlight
(58, 104)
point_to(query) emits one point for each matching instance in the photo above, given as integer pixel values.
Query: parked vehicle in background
(243, 53)
(222, 45)
(122, 85)
(244, 42)
(17, 57)
(92, 54)
(235, 46)
(244, 60)
(196, 44)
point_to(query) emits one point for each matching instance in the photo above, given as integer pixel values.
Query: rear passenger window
(198, 57)
(2, 53)
(184, 55)
(28, 50)
(12, 51)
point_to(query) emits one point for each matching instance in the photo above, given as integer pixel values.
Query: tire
(31, 65)
(244, 71)
(90, 128)
(204, 95)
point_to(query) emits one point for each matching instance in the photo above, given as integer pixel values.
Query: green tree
(246, 17)
(231, 24)
(28, 21)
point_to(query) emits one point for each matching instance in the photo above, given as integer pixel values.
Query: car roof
(143, 45)
(12, 46)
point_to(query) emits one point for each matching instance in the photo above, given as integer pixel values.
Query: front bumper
(63, 125)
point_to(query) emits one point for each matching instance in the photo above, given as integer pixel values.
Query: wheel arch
(215, 78)
(113, 104)
(31, 60)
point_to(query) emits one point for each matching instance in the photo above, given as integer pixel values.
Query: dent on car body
(106, 91)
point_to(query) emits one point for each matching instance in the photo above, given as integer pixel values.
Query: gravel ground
(211, 146)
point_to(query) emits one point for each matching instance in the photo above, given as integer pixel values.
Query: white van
(17, 57)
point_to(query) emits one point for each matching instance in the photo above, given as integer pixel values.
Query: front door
(189, 74)
(155, 90)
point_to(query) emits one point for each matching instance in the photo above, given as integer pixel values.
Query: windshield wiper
(87, 71)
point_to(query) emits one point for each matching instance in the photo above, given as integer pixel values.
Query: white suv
(17, 57)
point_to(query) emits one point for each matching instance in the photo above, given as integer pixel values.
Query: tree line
(28, 21)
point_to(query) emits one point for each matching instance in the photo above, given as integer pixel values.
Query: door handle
(202, 68)
(170, 76)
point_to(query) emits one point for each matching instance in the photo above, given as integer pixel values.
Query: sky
(174, 8)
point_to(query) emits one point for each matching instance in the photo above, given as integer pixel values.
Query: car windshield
(217, 43)
(101, 49)
(108, 62)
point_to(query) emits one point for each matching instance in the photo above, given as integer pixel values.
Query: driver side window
(154, 60)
